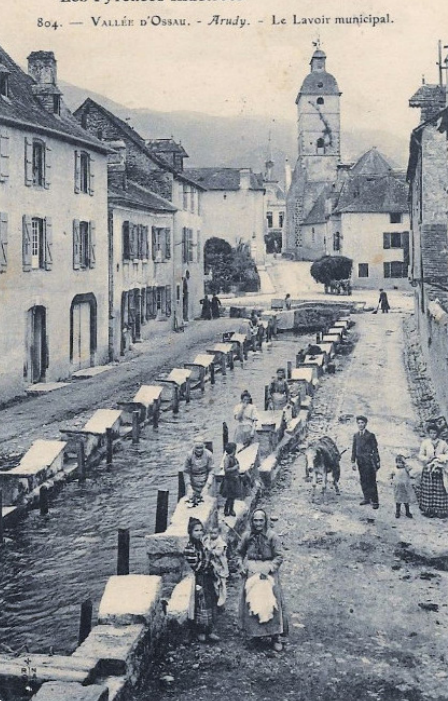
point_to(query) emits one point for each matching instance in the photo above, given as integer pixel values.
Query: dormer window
(4, 84)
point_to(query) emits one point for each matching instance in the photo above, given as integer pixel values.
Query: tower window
(320, 101)
(320, 146)
(270, 220)
(320, 85)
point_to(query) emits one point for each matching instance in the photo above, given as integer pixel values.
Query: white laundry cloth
(260, 597)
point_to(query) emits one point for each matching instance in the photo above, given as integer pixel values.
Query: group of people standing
(260, 556)
(210, 307)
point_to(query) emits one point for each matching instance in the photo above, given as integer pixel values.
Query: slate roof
(223, 178)
(375, 194)
(319, 83)
(137, 197)
(23, 110)
(316, 215)
(165, 146)
(132, 135)
(428, 94)
(371, 163)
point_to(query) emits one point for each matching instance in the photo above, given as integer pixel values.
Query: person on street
(365, 455)
(383, 302)
(288, 301)
(279, 391)
(231, 484)
(245, 414)
(216, 546)
(198, 472)
(206, 308)
(205, 600)
(261, 611)
(215, 304)
(403, 489)
(433, 493)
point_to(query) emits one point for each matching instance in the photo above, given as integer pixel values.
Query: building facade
(53, 237)
(233, 207)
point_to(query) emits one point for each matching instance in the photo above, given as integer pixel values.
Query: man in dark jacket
(365, 455)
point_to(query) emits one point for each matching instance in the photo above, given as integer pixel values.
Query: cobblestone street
(366, 593)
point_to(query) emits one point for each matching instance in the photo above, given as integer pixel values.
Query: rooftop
(223, 178)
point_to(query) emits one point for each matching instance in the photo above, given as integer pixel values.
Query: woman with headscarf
(278, 391)
(205, 599)
(245, 414)
(433, 493)
(261, 604)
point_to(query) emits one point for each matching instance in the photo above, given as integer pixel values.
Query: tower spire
(269, 164)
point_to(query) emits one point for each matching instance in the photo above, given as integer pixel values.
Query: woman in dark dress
(205, 595)
(206, 308)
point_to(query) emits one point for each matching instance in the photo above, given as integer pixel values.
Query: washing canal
(51, 564)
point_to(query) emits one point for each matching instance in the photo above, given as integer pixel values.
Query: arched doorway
(38, 352)
(83, 331)
(185, 295)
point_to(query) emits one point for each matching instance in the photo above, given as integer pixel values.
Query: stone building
(233, 206)
(275, 208)
(53, 232)
(173, 274)
(318, 121)
(428, 181)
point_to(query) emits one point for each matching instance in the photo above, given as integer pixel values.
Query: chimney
(245, 178)
(42, 67)
(288, 176)
(116, 165)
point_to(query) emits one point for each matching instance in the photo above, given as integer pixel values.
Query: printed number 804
(48, 24)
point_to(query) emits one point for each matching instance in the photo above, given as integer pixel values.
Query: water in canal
(51, 564)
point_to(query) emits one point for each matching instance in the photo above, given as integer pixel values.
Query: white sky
(224, 70)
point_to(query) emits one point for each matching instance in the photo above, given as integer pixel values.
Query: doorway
(38, 344)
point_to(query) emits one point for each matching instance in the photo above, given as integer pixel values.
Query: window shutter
(168, 300)
(154, 242)
(3, 242)
(76, 245)
(198, 243)
(92, 244)
(48, 243)
(190, 245)
(27, 238)
(126, 241)
(386, 240)
(28, 163)
(145, 235)
(4, 156)
(77, 172)
(184, 245)
(134, 242)
(167, 244)
(47, 167)
(91, 176)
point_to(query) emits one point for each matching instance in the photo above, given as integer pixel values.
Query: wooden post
(81, 457)
(43, 501)
(268, 331)
(288, 370)
(212, 374)
(162, 510)
(319, 337)
(155, 414)
(175, 399)
(223, 364)
(109, 446)
(123, 551)
(181, 490)
(85, 622)
(231, 361)
(2, 539)
(202, 378)
(225, 435)
(266, 397)
(187, 390)
(245, 345)
(135, 426)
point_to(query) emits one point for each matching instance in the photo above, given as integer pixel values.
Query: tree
(230, 266)
(331, 268)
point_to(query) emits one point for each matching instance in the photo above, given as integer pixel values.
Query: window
(395, 239)
(270, 219)
(192, 199)
(336, 241)
(395, 269)
(281, 219)
(320, 100)
(320, 146)
(187, 245)
(38, 164)
(56, 104)
(363, 270)
(37, 243)
(84, 253)
(161, 244)
(396, 217)
(126, 242)
(4, 84)
(84, 175)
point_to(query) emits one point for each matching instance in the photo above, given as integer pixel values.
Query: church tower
(319, 128)
(319, 152)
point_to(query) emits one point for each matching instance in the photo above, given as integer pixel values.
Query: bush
(330, 268)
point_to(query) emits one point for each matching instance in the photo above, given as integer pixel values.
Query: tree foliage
(230, 266)
(329, 268)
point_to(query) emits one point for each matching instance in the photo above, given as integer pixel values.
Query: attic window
(56, 104)
(4, 84)
(320, 100)
(395, 217)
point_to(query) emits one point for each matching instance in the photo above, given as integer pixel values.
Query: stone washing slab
(147, 395)
(61, 668)
(59, 691)
(112, 646)
(86, 373)
(129, 599)
(179, 376)
(103, 419)
(181, 604)
(43, 452)
(43, 460)
(45, 387)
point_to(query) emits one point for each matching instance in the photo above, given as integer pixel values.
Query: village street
(366, 593)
